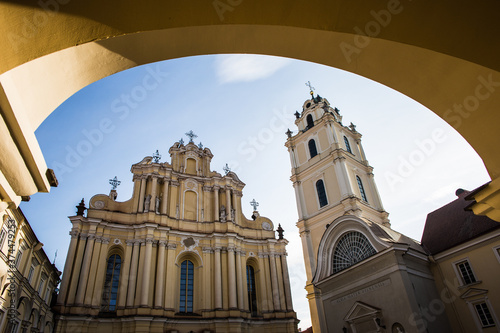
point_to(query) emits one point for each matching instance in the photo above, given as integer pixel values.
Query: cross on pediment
(114, 183)
(311, 88)
(156, 157)
(191, 135)
(254, 204)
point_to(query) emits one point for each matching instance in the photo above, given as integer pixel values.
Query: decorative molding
(117, 241)
(171, 246)
(74, 233)
(149, 240)
(99, 204)
(91, 237)
(207, 249)
(162, 243)
(129, 242)
(105, 240)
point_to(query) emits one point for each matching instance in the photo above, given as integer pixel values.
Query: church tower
(331, 177)
(178, 256)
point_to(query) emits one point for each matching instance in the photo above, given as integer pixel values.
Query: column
(133, 273)
(70, 257)
(281, 285)
(84, 275)
(170, 279)
(137, 190)
(140, 209)
(274, 282)
(216, 203)
(377, 203)
(264, 277)
(93, 271)
(76, 271)
(228, 203)
(298, 198)
(239, 278)
(232, 278)
(146, 271)
(174, 202)
(342, 177)
(235, 207)
(164, 199)
(286, 280)
(152, 203)
(217, 279)
(361, 151)
(160, 271)
(207, 278)
(309, 260)
(124, 274)
(101, 273)
(334, 136)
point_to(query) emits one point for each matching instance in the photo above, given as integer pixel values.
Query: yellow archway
(443, 55)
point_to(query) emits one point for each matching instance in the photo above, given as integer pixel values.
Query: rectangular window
(466, 272)
(30, 274)
(19, 255)
(40, 287)
(3, 235)
(484, 315)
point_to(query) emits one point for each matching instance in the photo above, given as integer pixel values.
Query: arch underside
(450, 67)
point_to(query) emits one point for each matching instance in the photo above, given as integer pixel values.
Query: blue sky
(240, 106)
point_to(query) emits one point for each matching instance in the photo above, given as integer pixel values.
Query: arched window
(312, 148)
(320, 188)
(187, 277)
(361, 189)
(347, 145)
(310, 121)
(352, 248)
(251, 290)
(110, 289)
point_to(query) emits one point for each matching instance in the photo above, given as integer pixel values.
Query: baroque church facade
(178, 256)
(362, 276)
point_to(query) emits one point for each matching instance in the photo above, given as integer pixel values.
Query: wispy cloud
(247, 67)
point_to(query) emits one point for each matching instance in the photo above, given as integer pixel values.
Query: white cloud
(247, 67)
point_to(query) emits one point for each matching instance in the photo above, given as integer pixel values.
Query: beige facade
(466, 266)
(27, 277)
(362, 276)
(188, 259)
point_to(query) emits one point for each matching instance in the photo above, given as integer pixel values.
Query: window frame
(187, 298)
(252, 296)
(309, 148)
(19, 257)
(317, 193)
(31, 272)
(106, 304)
(496, 250)
(458, 272)
(347, 145)
(492, 317)
(361, 188)
(3, 237)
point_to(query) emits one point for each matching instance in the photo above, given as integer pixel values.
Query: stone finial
(288, 133)
(80, 209)
(280, 231)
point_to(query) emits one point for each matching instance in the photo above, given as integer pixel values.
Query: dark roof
(452, 225)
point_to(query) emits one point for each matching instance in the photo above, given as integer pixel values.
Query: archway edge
(434, 79)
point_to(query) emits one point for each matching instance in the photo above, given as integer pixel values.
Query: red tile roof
(452, 225)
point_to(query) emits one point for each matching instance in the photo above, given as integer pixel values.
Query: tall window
(352, 248)
(40, 286)
(310, 121)
(110, 290)
(17, 261)
(251, 290)
(347, 145)
(30, 273)
(466, 273)
(3, 235)
(312, 148)
(186, 301)
(361, 189)
(484, 315)
(320, 188)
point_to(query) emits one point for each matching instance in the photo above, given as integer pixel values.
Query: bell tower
(331, 177)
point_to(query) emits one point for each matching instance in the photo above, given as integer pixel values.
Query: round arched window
(352, 248)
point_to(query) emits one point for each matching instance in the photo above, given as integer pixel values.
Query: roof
(452, 225)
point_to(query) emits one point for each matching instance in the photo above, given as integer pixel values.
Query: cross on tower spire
(254, 204)
(114, 183)
(191, 135)
(311, 88)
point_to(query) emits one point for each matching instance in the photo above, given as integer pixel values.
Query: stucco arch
(61, 46)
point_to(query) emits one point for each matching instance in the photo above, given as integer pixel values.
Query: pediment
(360, 310)
(473, 292)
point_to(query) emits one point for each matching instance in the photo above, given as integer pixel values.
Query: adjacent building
(465, 252)
(178, 256)
(362, 276)
(27, 277)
